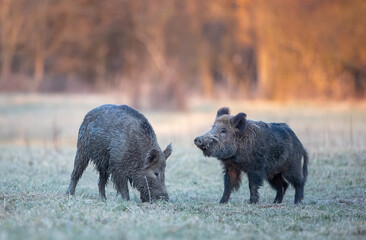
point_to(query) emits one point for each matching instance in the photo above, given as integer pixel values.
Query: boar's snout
(163, 196)
(198, 141)
(204, 142)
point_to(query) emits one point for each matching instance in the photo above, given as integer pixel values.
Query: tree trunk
(38, 70)
(263, 81)
(7, 59)
(206, 79)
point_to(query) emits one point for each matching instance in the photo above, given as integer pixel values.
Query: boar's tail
(305, 166)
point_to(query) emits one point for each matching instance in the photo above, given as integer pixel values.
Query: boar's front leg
(118, 158)
(232, 180)
(227, 189)
(121, 185)
(103, 179)
(255, 182)
(124, 190)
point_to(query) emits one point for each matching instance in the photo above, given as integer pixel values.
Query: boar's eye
(156, 174)
(223, 131)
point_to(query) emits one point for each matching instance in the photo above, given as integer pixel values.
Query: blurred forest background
(169, 50)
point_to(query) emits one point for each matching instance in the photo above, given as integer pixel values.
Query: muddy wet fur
(265, 151)
(122, 144)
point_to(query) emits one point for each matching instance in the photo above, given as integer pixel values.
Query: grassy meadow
(38, 143)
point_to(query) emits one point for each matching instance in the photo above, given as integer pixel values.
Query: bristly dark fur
(121, 142)
(265, 151)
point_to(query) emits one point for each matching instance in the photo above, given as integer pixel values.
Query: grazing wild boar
(268, 151)
(121, 142)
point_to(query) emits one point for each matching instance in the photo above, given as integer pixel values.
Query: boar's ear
(152, 155)
(168, 151)
(239, 122)
(223, 111)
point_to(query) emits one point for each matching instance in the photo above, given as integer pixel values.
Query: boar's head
(152, 180)
(222, 140)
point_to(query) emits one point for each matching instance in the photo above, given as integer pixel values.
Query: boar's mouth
(163, 197)
(204, 145)
(206, 150)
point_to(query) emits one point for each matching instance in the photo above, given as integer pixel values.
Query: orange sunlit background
(169, 50)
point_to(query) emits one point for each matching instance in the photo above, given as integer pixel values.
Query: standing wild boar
(268, 151)
(121, 142)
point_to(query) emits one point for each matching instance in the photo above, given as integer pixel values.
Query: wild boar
(268, 151)
(121, 142)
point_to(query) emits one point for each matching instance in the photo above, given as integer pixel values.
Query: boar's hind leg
(232, 180)
(255, 182)
(121, 185)
(298, 182)
(278, 183)
(299, 192)
(80, 163)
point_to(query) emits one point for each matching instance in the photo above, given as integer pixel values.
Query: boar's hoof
(70, 192)
(298, 201)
